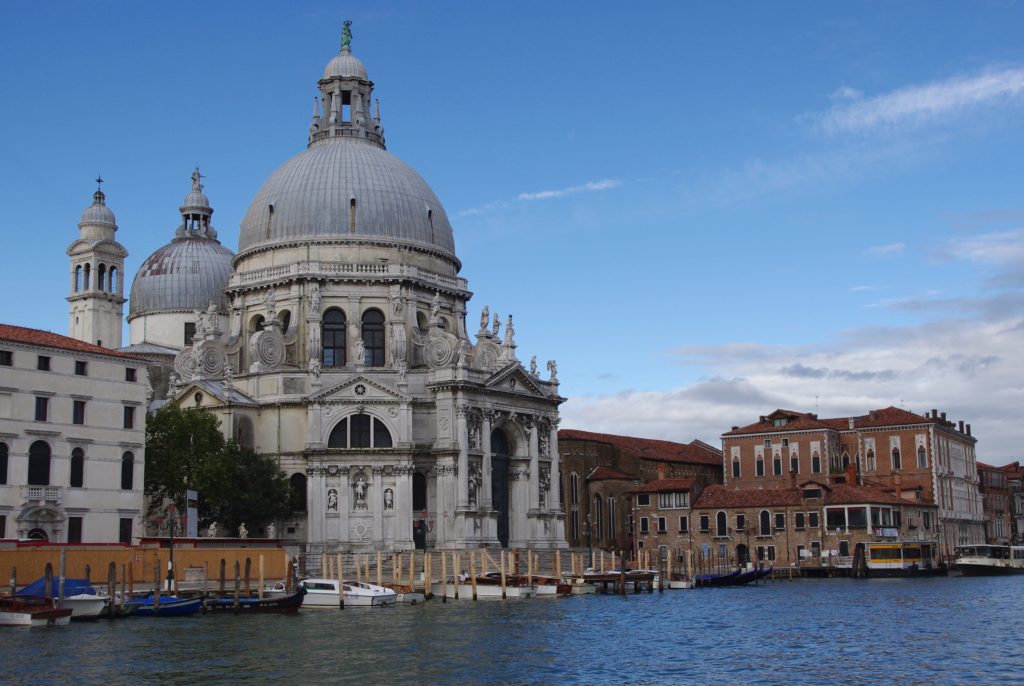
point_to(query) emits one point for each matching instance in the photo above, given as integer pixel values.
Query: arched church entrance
(500, 454)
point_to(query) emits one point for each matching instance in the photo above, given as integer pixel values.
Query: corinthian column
(485, 444)
(462, 427)
(531, 424)
(555, 493)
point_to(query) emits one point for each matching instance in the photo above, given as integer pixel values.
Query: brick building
(919, 458)
(1015, 488)
(600, 470)
(993, 483)
(796, 523)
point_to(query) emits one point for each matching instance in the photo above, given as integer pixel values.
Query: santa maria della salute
(335, 341)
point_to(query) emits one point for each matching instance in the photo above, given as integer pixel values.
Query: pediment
(360, 389)
(213, 394)
(514, 379)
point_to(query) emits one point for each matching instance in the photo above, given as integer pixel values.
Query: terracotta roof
(605, 473)
(694, 452)
(803, 421)
(845, 494)
(47, 339)
(666, 486)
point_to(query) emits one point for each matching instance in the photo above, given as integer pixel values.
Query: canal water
(829, 631)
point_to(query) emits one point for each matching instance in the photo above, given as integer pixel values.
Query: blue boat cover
(71, 587)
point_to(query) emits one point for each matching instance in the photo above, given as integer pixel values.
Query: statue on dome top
(197, 179)
(346, 35)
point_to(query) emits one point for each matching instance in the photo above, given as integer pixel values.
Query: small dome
(196, 199)
(185, 275)
(98, 212)
(345, 66)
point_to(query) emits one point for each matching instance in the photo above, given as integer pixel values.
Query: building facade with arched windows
(71, 439)
(335, 340)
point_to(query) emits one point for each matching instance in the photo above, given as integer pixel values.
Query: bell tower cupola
(97, 281)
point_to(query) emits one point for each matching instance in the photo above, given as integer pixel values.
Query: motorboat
(579, 585)
(328, 593)
(165, 606)
(990, 560)
(286, 603)
(363, 594)
(551, 587)
(487, 587)
(25, 610)
(79, 595)
(680, 582)
(407, 595)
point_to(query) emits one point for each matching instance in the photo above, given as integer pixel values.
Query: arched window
(759, 465)
(735, 466)
(794, 463)
(360, 431)
(721, 524)
(373, 338)
(297, 482)
(285, 317)
(113, 280)
(596, 518)
(78, 278)
(870, 460)
(922, 457)
(77, 468)
(611, 518)
(127, 471)
(777, 465)
(3, 463)
(39, 464)
(88, 274)
(101, 277)
(765, 524)
(256, 324)
(333, 336)
(816, 462)
(845, 460)
(574, 500)
(897, 461)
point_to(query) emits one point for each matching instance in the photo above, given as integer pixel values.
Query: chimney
(661, 471)
(850, 421)
(935, 413)
(943, 415)
(851, 474)
(735, 428)
(960, 425)
(968, 429)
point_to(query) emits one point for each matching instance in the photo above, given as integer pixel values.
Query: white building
(336, 342)
(72, 432)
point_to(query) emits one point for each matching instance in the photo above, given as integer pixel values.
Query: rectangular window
(812, 520)
(858, 518)
(6, 358)
(780, 521)
(777, 466)
(42, 407)
(835, 518)
(78, 412)
(645, 525)
(3, 465)
(3, 526)
(767, 443)
(129, 374)
(816, 464)
(741, 522)
(799, 523)
(771, 553)
(705, 523)
(760, 467)
(794, 464)
(124, 530)
(129, 417)
(684, 524)
(723, 551)
(674, 500)
(662, 525)
(926, 518)
(785, 442)
(735, 469)
(74, 529)
(815, 549)
(80, 368)
(190, 332)
(43, 363)
(643, 499)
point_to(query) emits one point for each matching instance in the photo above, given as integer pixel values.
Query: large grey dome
(341, 189)
(187, 274)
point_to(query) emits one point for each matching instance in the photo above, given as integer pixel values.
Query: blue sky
(702, 211)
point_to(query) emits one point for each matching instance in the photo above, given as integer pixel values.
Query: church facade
(335, 340)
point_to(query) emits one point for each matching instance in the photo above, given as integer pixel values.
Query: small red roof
(837, 494)
(47, 339)
(666, 486)
(694, 452)
(845, 494)
(803, 421)
(607, 473)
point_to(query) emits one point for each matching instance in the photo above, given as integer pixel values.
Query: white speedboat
(86, 605)
(363, 594)
(484, 590)
(990, 560)
(327, 593)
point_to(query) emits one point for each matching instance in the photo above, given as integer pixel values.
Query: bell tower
(97, 276)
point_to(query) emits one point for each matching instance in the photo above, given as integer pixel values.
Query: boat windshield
(996, 552)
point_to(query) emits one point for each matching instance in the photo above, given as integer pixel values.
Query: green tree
(186, 450)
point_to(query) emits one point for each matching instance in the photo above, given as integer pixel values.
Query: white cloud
(846, 93)
(587, 187)
(885, 250)
(483, 209)
(915, 105)
(971, 369)
(1000, 248)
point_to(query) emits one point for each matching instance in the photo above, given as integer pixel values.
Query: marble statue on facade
(359, 490)
(242, 531)
(553, 368)
(485, 318)
(332, 500)
(360, 352)
(533, 366)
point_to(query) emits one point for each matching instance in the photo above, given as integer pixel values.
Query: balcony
(50, 494)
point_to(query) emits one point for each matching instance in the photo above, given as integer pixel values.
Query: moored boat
(168, 606)
(24, 610)
(321, 593)
(487, 587)
(990, 560)
(269, 604)
(79, 596)
(680, 582)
